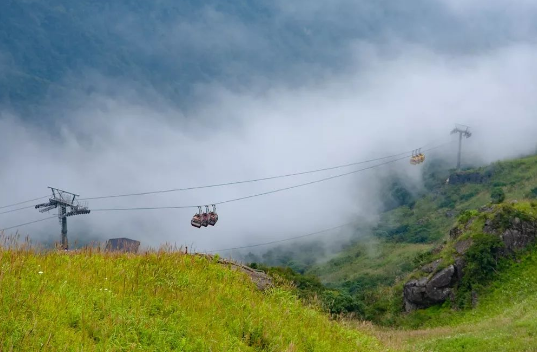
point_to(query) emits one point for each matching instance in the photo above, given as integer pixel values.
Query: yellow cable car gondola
(417, 157)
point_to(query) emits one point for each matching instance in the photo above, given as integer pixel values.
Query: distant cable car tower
(462, 130)
(67, 206)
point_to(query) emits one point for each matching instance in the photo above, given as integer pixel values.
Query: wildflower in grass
(40, 272)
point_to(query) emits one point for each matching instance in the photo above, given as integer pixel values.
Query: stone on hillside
(414, 294)
(425, 292)
(486, 209)
(454, 233)
(442, 278)
(515, 234)
(489, 227)
(431, 267)
(519, 236)
(468, 177)
(462, 246)
(459, 266)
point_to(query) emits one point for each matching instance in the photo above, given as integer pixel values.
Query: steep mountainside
(410, 231)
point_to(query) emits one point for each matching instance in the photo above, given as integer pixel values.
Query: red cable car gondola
(213, 216)
(197, 219)
(205, 217)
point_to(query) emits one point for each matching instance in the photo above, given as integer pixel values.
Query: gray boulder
(438, 287)
(425, 292)
(462, 246)
(431, 267)
(519, 235)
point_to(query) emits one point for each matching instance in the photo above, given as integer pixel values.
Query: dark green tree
(497, 195)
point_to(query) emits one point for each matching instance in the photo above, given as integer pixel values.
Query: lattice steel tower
(67, 206)
(462, 130)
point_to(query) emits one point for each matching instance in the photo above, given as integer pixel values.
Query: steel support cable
(269, 192)
(309, 183)
(13, 210)
(324, 179)
(253, 195)
(247, 181)
(27, 223)
(19, 203)
(282, 240)
(226, 184)
(228, 201)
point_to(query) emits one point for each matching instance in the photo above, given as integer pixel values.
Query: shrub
(466, 215)
(481, 264)
(422, 258)
(497, 195)
(448, 202)
(337, 302)
(533, 193)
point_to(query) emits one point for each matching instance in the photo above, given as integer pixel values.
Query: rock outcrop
(468, 177)
(258, 277)
(425, 292)
(516, 236)
(431, 267)
(437, 285)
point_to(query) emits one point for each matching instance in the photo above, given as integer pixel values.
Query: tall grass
(505, 318)
(156, 301)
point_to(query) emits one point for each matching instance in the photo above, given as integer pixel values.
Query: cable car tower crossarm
(67, 206)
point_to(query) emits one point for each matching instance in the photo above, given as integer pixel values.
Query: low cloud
(385, 105)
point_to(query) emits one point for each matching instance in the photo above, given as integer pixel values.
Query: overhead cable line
(323, 179)
(246, 181)
(28, 223)
(19, 203)
(229, 183)
(13, 210)
(253, 195)
(282, 240)
(309, 183)
(264, 193)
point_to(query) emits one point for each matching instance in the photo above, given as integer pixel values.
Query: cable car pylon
(462, 132)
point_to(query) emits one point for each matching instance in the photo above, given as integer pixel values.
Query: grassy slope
(504, 320)
(373, 261)
(158, 301)
(403, 232)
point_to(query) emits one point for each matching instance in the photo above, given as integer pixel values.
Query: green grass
(153, 302)
(404, 232)
(504, 320)
(370, 262)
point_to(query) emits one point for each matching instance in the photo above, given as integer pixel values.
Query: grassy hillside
(406, 232)
(153, 302)
(370, 271)
(379, 262)
(505, 318)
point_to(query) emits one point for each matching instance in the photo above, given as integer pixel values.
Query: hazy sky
(373, 79)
